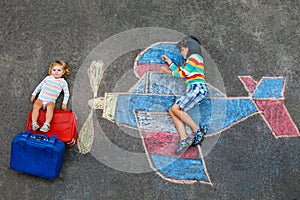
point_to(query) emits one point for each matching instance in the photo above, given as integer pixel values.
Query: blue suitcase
(37, 154)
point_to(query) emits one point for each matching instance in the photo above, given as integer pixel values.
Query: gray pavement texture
(243, 37)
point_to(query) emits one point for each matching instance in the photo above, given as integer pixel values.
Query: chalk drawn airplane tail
(268, 96)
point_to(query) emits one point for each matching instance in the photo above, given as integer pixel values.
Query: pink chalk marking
(142, 68)
(249, 83)
(165, 144)
(276, 116)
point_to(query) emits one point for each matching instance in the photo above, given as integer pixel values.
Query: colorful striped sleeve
(66, 92)
(39, 87)
(176, 71)
(195, 63)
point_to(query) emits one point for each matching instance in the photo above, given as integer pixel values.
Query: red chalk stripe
(144, 67)
(165, 144)
(276, 115)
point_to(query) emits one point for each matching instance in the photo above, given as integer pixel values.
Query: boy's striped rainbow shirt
(50, 88)
(192, 71)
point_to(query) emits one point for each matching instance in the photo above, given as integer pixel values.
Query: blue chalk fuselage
(216, 113)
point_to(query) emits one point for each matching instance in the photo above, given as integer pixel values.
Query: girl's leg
(35, 110)
(49, 113)
(183, 117)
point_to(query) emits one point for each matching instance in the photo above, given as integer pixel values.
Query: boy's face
(57, 71)
(184, 51)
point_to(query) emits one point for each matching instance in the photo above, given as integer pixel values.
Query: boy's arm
(176, 71)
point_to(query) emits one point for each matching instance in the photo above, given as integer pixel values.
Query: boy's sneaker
(199, 135)
(184, 145)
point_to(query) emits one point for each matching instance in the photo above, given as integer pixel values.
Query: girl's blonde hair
(64, 65)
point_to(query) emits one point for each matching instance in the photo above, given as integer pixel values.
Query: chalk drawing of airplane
(145, 107)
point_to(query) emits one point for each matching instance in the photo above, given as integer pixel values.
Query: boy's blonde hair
(64, 65)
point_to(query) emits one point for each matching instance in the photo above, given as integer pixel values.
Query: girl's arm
(37, 89)
(66, 95)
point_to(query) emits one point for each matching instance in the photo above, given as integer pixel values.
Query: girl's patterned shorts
(193, 95)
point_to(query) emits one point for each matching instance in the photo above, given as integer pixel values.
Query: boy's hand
(166, 59)
(64, 107)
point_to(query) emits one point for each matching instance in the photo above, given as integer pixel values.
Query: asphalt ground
(243, 37)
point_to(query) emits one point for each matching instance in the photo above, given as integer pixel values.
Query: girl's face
(184, 51)
(57, 71)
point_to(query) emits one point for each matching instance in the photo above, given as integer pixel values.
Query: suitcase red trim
(64, 124)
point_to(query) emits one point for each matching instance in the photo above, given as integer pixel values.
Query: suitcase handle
(39, 137)
(44, 137)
